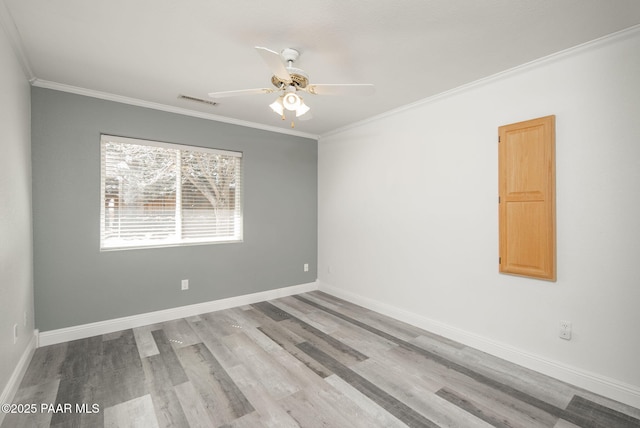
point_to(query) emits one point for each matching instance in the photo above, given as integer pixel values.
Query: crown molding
(618, 35)
(164, 107)
(15, 40)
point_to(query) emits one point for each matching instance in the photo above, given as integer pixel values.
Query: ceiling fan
(289, 80)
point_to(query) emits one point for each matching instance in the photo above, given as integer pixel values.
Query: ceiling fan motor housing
(299, 78)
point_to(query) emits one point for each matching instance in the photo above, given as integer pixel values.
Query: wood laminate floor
(310, 360)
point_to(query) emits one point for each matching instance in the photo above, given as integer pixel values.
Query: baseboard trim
(109, 326)
(602, 385)
(10, 389)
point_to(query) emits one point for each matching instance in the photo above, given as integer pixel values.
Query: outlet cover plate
(565, 330)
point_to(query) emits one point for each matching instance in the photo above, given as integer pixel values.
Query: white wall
(408, 216)
(16, 266)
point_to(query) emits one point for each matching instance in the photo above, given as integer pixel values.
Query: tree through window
(158, 194)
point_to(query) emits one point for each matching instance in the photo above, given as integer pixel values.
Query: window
(158, 194)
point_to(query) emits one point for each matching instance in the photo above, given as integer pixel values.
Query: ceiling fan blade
(275, 63)
(241, 92)
(342, 89)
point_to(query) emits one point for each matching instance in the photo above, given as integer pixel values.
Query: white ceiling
(154, 50)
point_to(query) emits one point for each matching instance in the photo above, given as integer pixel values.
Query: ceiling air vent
(197, 100)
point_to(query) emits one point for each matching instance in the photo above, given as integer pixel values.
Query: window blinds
(159, 194)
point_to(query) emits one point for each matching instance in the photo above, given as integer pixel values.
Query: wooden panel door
(527, 215)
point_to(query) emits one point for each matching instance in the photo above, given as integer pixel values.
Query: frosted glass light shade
(302, 109)
(291, 101)
(277, 106)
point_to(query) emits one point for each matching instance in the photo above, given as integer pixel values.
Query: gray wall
(76, 284)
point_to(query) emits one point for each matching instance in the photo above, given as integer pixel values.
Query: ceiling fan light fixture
(277, 106)
(302, 109)
(291, 101)
(288, 81)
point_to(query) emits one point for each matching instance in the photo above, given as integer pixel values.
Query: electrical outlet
(185, 284)
(306, 267)
(565, 330)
